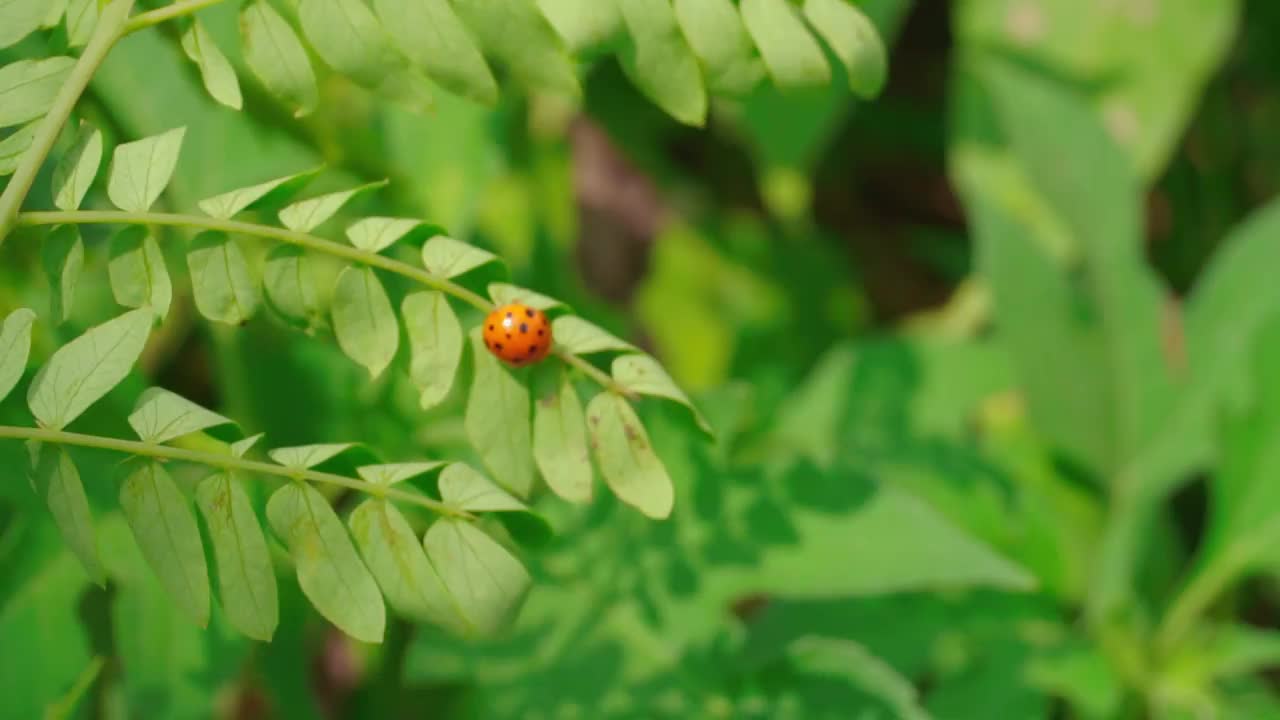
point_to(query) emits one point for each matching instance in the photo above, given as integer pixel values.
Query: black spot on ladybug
(539, 332)
(508, 336)
(508, 313)
(524, 328)
(497, 346)
(490, 328)
(532, 349)
(531, 312)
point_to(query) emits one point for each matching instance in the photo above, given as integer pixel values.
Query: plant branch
(169, 12)
(1198, 595)
(105, 34)
(225, 462)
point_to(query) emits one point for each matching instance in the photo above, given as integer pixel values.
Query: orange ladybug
(518, 334)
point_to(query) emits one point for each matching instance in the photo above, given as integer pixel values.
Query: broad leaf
(269, 194)
(77, 169)
(431, 35)
(62, 256)
(497, 421)
(363, 319)
(307, 215)
(290, 282)
(20, 18)
(375, 234)
(642, 374)
(215, 70)
(349, 38)
(464, 488)
(584, 24)
(305, 456)
(852, 663)
(486, 580)
(329, 570)
(141, 170)
(581, 337)
(139, 278)
(560, 438)
(660, 62)
(223, 286)
(717, 35)
(85, 369)
(792, 56)
(15, 347)
(435, 344)
(854, 40)
(504, 293)
(82, 16)
(517, 35)
(446, 257)
(392, 473)
(161, 416)
(27, 87)
(626, 458)
(58, 482)
(12, 147)
(164, 527)
(246, 578)
(276, 56)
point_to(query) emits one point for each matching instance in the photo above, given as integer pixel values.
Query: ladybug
(518, 334)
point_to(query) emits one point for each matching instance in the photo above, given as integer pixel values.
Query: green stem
(224, 462)
(105, 34)
(1198, 595)
(168, 12)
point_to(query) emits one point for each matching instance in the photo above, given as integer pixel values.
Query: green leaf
(497, 421)
(642, 374)
(446, 257)
(276, 56)
(268, 194)
(363, 319)
(464, 488)
(375, 234)
(433, 37)
(854, 664)
(15, 346)
(137, 271)
(20, 18)
(791, 54)
(85, 369)
(141, 170)
(27, 87)
(392, 473)
(398, 561)
(164, 527)
(504, 293)
(77, 169)
(329, 570)
(516, 34)
(626, 458)
(487, 582)
(53, 14)
(719, 38)
(581, 337)
(82, 16)
(1242, 650)
(215, 70)
(584, 24)
(246, 578)
(58, 482)
(240, 447)
(12, 147)
(220, 279)
(435, 344)
(62, 255)
(854, 40)
(560, 438)
(161, 416)
(349, 38)
(660, 62)
(289, 280)
(307, 215)
(302, 457)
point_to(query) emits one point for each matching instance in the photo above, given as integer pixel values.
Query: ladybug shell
(518, 334)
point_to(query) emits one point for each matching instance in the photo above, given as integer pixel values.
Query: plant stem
(1198, 595)
(168, 12)
(105, 35)
(224, 462)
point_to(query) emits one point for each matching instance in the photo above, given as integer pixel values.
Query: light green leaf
(58, 482)
(497, 421)
(854, 40)
(504, 293)
(560, 438)
(141, 170)
(27, 87)
(220, 279)
(307, 215)
(642, 374)
(12, 147)
(363, 319)
(1239, 649)
(15, 347)
(854, 664)
(464, 488)
(392, 473)
(276, 56)
(53, 15)
(77, 169)
(85, 369)
(329, 570)
(246, 578)
(717, 35)
(349, 38)
(517, 35)
(137, 271)
(487, 582)
(791, 54)
(161, 416)
(626, 458)
(291, 285)
(215, 70)
(446, 257)
(62, 255)
(433, 37)
(581, 337)
(269, 193)
(584, 24)
(82, 16)
(164, 527)
(660, 62)
(240, 447)
(375, 234)
(435, 344)
(400, 565)
(20, 18)
(302, 457)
